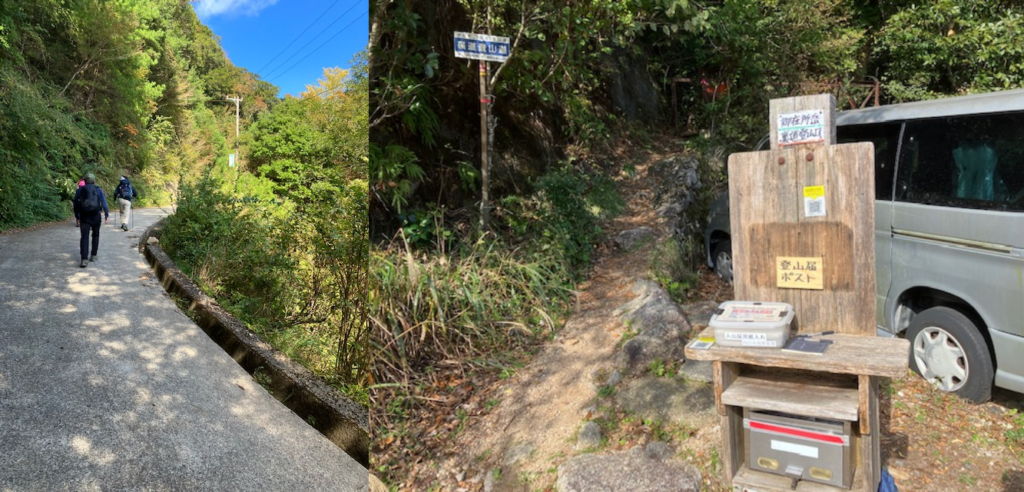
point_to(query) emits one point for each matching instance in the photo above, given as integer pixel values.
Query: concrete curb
(341, 420)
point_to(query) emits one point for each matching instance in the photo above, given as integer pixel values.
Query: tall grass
(480, 296)
(427, 309)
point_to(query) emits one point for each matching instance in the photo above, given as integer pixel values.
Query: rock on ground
(590, 436)
(677, 180)
(661, 325)
(519, 453)
(640, 469)
(669, 400)
(628, 240)
(699, 313)
(698, 370)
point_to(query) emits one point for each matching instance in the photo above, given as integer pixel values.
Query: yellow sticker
(799, 273)
(814, 192)
(814, 201)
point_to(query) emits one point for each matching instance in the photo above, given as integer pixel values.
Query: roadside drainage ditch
(343, 421)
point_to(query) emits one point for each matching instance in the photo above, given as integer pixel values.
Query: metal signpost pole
(484, 48)
(484, 160)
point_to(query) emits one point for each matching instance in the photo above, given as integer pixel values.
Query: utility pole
(233, 157)
(237, 101)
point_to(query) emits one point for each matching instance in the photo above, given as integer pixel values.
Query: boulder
(661, 328)
(649, 469)
(589, 437)
(628, 240)
(669, 400)
(676, 180)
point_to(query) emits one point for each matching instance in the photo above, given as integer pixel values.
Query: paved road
(106, 385)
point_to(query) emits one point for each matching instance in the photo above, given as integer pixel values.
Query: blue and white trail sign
(482, 47)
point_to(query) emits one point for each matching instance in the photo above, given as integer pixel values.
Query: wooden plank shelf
(798, 398)
(747, 479)
(773, 223)
(848, 354)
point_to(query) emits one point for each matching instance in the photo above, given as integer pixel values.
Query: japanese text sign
(799, 273)
(802, 127)
(482, 47)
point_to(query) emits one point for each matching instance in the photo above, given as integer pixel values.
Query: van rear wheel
(948, 351)
(723, 260)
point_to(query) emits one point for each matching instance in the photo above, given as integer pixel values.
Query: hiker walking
(124, 193)
(81, 183)
(89, 202)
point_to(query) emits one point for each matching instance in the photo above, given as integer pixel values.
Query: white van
(949, 235)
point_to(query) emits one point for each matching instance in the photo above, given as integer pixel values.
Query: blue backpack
(125, 191)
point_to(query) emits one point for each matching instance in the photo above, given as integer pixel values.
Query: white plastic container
(752, 324)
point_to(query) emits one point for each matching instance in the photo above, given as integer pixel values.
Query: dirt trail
(533, 428)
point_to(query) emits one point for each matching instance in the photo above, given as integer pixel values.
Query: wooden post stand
(803, 233)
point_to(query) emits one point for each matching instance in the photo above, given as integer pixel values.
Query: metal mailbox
(801, 448)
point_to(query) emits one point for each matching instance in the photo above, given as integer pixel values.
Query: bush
(234, 249)
(478, 296)
(562, 217)
(299, 284)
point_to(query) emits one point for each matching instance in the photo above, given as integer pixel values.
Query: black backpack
(89, 203)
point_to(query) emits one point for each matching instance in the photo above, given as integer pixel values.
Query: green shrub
(562, 217)
(235, 250)
(299, 284)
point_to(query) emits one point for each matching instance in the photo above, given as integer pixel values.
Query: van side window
(972, 162)
(885, 137)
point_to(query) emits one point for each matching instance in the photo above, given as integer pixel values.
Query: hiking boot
(125, 227)
(85, 263)
(92, 258)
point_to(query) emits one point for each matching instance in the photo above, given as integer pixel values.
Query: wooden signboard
(803, 224)
(803, 233)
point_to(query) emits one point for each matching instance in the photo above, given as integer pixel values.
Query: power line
(335, 21)
(333, 89)
(299, 36)
(321, 46)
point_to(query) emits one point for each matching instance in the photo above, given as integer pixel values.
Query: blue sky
(253, 32)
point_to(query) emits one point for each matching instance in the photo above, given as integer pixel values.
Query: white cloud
(209, 8)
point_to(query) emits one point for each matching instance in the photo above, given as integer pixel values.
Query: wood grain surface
(768, 221)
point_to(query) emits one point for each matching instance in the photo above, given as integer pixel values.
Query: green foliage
(586, 123)
(1016, 433)
(235, 251)
(562, 216)
(952, 46)
(300, 285)
(393, 172)
(758, 50)
(286, 249)
(659, 368)
(424, 228)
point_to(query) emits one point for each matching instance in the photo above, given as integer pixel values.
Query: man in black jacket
(89, 202)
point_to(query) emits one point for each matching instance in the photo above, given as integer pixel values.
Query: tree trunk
(376, 28)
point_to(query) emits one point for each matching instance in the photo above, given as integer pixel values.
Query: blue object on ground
(888, 484)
